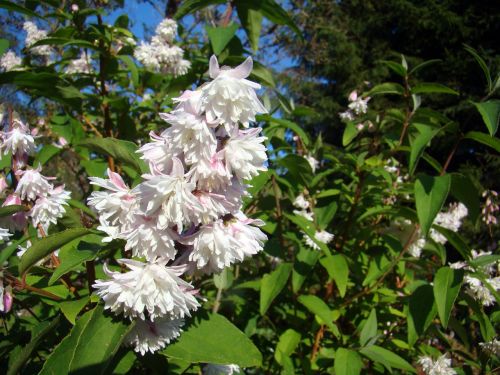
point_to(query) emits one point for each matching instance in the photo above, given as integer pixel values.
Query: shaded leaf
(338, 270)
(490, 111)
(447, 283)
(485, 139)
(386, 358)
(421, 311)
(347, 362)
(287, 344)
(430, 195)
(428, 88)
(318, 307)
(272, 284)
(369, 329)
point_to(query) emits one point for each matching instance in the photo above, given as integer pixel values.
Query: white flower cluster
(440, 366)
(185, 217)
(33, 189)
(475, 286)
(10, 61)
(490, 207)
(33, 35)
(357, 106)
(492, 347)
(305, 211)
(161, 54)
(80, 65)
(212, 369)
(451, 220)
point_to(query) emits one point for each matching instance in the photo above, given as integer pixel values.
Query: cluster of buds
(161, 54)
(185, 217)
(490, 208)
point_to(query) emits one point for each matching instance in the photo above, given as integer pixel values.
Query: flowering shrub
(193, 226)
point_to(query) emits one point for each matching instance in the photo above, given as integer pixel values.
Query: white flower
(33, 35)
(167, 30)
(452, 220)
(145, 53)
(147, 336)
(312, 162)
(245, 153)
(305, 214)
(220, 244)
(441, 366)
(159, 153)
(321, 236)
(416, 247)
(79, 65)
(358, 104)
(10, 61)
(116, 205)
(230, 98)
(33, 184)
(146, 240)
(479, 291)
(49, 208)
(346, 116)
(492, 347)
(18, 140)
(147, 289)
(211, 174)
(170, 197)
(301, 202)
(214, 205)
(4, 234)
(191, 134)
(213, 369)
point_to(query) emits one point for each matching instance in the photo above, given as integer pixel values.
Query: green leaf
(27, 351)
(73, 256)
(350, 132)
(220, 36)
(132, 68)
(71, 309)
(482, 64)
(430, 195)
(430, 87)
(325, 214)
(347, 362)
(45, 154)
(487, 330)
(215, 340)
(304, 263)
(419, 144)
(338, 270)
(9, 250)
(421, 312)
(318, 307)
(251, 20)
(18, 8)
(307, 227)
(423, 65)
(90, 345)
(12, 209)
(387, 358)
(298, 169)
(456, 240)
(191, 6)
(464, 190)
(4, 46)
(272, 11)
(287, 344)
(485, 139)
(122, 151)
(447, 283)
(395, 67)
(285, 124)
(272, 284)
(490, 111)
(386, 88)
(43, 247)
(369, 329)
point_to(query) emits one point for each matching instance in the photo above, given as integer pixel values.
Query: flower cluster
(32, 189)
(161, 54)
(10, 61)
(305, 211)
(440, 366)
(492, 347)
(357, 106)
(33, 35)
(185, 216)
(475, 285)
(490, 208)
(80, 65)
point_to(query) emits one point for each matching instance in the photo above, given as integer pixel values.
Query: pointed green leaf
(419, 144)
(464, 190)
(272, 284)
(387, 358)
(428, 88)
(43, 247)
(251, 20)
(71, 309)
(303, 265)
(430, 195)
(318, 307)
(447, 283)
(347, 362)
(386, 88)
(485, 139)
(214, 339)
(421, 311)
(220, 36)
(490, 111)
(338, 270)
(287, 344)
(369, 329)
(12, 209)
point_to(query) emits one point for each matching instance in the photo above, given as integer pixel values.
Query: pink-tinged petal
(117, 180)
(243, 70)
(353, 96)
(177, 168)
(213, 69)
